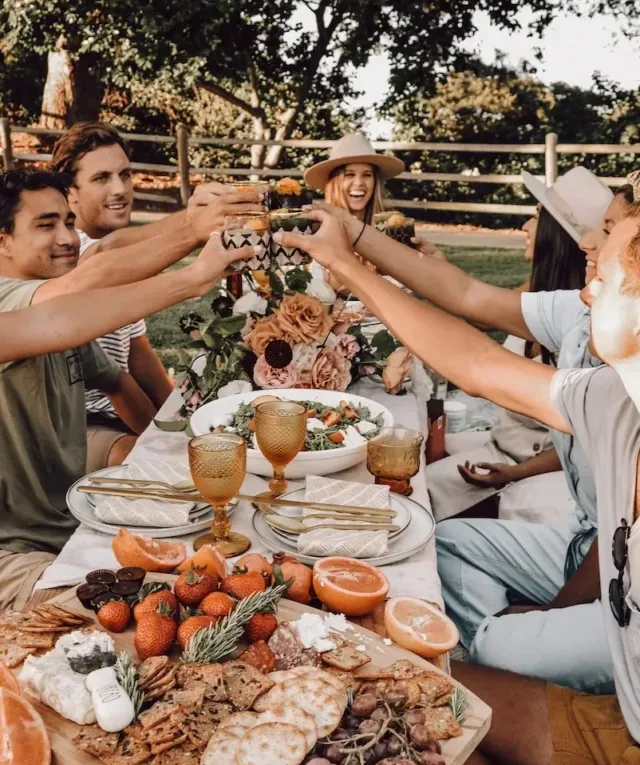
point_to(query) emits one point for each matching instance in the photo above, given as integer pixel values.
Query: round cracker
(272, 743)
(326, 710)
(289, 674)
(293, 715)
(239, 720)
(328, 678)
(222, 747)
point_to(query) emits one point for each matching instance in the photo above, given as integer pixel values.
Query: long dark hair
(558, 264)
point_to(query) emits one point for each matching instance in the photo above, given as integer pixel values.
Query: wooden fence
(183, 140)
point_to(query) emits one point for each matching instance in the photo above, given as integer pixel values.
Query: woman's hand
(428, 248)
(499, 475)
(329, 246)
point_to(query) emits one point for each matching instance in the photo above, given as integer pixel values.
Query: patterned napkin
(352, 544)
(147, 512)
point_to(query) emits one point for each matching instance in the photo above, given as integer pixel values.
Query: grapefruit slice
(348, 585)
(7, 679)
(208, 558)
(149, 554)
(24, 736)
(419, 626)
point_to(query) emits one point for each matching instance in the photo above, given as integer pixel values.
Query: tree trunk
(72, 91)
(258, 151)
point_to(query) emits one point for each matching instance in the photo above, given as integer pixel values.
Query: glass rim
(248, 183)
(231, 438)
(248, 215)
(268, 404)
(293, 212)
(416, 437)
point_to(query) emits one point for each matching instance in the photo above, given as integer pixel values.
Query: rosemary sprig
(459, 704)
(127, 675)
(212, 644)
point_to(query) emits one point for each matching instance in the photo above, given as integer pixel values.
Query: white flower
(235, 387)
(250, 303)
(318, 288)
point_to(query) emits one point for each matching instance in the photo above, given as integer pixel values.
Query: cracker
(211, 676)
(289, 674)
(36, 640)
(93, 740)
(222, 748)
(242, 719)
(157, 693)
(67, 616)
(326, 710)
(244, 683)
(161, 680)
(129, 752)
(164, 731)
(159, 748)
(42, 627)
(297, 717)
(151, 668)
(200, 724)
(309, 683)
(157, 714)
(272, 744)
(186, 698)
(432, 686)
(13, 655)
(179, 755)
(346, 658)
(441, 723)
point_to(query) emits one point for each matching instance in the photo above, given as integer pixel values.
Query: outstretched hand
(214, 260)
(328, 246)
(499, 475)
(206, 210)
(428, 248)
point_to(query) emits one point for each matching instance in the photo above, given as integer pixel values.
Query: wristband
(364, 225)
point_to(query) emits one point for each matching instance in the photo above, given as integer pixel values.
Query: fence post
(182, 136)
(550, 158)
(5, 142)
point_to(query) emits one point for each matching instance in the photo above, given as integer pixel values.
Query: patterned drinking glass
(218, 463)
(248, 228)
(281, 428)
(393, 457)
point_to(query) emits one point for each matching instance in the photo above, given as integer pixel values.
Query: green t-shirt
(43, 434)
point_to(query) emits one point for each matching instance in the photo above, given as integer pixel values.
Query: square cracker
(346, 658)
(156, 714)
(441, 723)
(13, 655)
(129, 752)
(179, 755)
(209, 675)
(36, 640)
(176, 741)
(244, 683)
(93, 740)
(151, 668)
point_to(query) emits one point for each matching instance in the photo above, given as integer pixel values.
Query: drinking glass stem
(220, 526)
(278, 484)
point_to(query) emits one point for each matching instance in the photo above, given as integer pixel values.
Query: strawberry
(260, 656)
(155, 633)
(261, 627)
(242, 583)
(217, 604)
(190, 626)
(149, 605)
(115, 615)
(192, 586)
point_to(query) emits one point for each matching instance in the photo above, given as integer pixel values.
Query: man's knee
(121, 449)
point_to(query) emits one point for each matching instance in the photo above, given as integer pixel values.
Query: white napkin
(151, 513)
(352, 544)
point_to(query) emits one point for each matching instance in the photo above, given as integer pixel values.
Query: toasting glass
(281, 427)
(218, 463)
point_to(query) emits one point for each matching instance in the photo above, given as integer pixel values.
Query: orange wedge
(149, 554)
(349, 586)
(24, 736)
(419, 626)
(7, 679)
(208, 558)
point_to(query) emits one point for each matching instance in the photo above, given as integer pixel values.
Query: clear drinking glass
(393, 457)
(218, 463)
(281, 428)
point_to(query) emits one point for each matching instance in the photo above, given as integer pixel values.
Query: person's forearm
(131, 403)
(443, 283)
(545, 462)
(147, 370)
(461, 353)
(69, 321)
(584, 585)
(125, 237)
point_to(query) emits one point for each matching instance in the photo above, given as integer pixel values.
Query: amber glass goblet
(218, 463)
(281, 427)
(393, 457)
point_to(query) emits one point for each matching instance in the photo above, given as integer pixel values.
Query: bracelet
(364, 225)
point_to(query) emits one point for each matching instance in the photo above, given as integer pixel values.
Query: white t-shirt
(117, 345)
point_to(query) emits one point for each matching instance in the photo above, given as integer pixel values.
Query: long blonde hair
(334, 193)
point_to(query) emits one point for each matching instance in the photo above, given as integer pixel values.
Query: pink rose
(330, 370)
(266, 376)
(347, 345)
(396, 370)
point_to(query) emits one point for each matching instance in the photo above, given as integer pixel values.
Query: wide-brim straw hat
(351, 148)
(577, 200)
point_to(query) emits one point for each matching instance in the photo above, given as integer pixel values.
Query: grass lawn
(505, 268)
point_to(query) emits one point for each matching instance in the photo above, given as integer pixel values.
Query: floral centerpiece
(289, 331)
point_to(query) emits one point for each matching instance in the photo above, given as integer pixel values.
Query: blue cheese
(315, 631)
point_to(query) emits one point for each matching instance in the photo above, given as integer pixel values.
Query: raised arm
(461, 353)
(66, 322)
(149, 257)
(437, 280)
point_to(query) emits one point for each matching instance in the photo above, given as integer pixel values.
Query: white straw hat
(352, 148)
(577, 200)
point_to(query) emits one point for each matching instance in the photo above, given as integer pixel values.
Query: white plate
(306, 463)
(403, 546)
(402, 519)
(83, 511)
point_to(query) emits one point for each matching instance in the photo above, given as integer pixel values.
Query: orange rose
(330, 370)
(263, 332)
(303, 319)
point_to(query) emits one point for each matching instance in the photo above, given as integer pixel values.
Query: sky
(573, 50)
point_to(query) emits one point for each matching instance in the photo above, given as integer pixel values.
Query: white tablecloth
(417, 576)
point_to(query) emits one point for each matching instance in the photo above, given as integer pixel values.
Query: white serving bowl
(306, 463)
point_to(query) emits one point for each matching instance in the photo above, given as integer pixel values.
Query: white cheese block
(313, 423)
(353, 438)
(365, 427)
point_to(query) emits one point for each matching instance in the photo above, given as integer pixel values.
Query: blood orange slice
(349, 586)
(149, 554)
(24, 737)
(419, 626)
(7, 679)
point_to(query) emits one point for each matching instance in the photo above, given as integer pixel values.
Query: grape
(333, 753)
(431, 758)
(380, 714)
(421, 736)
(415, 717)
(370, 726)
(364, 705)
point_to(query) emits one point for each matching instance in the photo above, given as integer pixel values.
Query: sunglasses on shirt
(620, 551)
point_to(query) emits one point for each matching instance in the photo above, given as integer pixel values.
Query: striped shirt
(117, 345)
